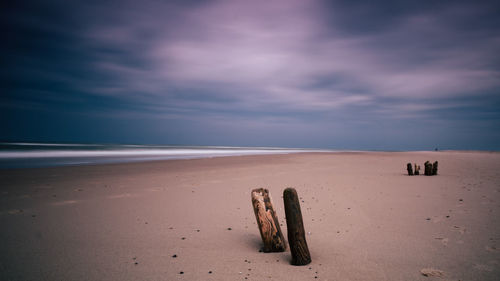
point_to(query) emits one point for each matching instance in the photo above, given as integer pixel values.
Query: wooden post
(267, 221)
(417, 169)
(410, 169)
(435, 168)
(428, 168)
(296, 233)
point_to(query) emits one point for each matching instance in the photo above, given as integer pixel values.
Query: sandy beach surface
(193, 220)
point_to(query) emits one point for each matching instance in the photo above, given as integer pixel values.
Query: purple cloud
(269, 54)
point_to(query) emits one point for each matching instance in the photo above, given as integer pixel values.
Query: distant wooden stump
(417, 169)
(435, 168)
(268, 223)
(295, 225)
(409, 169)
(428, 168)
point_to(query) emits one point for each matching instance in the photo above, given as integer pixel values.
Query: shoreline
(11, 162)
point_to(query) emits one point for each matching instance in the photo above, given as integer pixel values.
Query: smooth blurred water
(28, 155)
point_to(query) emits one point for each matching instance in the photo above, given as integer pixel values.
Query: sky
(365, 75)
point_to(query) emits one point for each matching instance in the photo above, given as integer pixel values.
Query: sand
(193, 219)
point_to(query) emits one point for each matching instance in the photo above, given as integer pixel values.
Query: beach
(192, 219)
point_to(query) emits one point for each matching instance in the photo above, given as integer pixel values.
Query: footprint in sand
(156, 189)
(460, 229)
(492, 249)
(123, 195)
(489, 201)
(65, 202)
(15, 211)
(483, 267)
(432, 272)
(44, 187)
(444, 241)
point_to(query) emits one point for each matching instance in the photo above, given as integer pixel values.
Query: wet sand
(193, 219)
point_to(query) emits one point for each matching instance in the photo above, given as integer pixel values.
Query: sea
(32, 155)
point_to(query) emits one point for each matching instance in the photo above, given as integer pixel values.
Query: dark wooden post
(410, 169)
(267, 221)
(428, 168)
(435, 168)
(296, 233)
(417, 169)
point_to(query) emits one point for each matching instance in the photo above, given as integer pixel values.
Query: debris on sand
(431, 272)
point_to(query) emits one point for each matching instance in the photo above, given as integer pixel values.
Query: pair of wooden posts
(429, 169)
(269, 226)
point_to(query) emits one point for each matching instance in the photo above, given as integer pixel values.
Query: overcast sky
(394, 75)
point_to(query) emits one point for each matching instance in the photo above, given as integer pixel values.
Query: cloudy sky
(332, 74)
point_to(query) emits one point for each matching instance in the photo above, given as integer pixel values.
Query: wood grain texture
(267, 220)
(295, 225)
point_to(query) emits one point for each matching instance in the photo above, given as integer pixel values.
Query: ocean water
(29, 155)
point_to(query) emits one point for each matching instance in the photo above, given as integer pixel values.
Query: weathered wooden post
(428, 168)
(435, 168)
(295, 225)
(409, 169)
(267, 221)
(417, 169)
